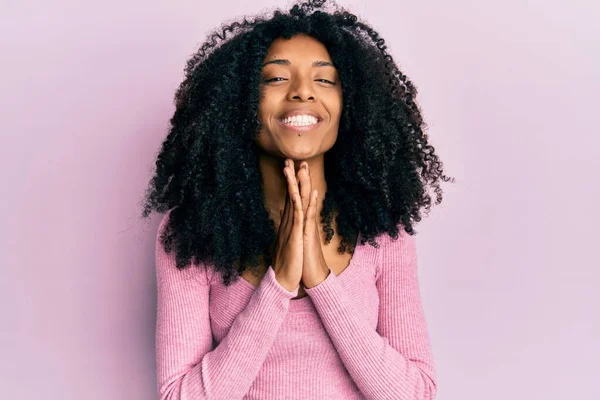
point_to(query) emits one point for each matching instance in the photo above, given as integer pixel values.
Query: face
(302, 99)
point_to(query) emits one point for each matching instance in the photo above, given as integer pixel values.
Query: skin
(299, 84)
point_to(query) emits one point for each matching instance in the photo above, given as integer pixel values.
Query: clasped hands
(314, 266)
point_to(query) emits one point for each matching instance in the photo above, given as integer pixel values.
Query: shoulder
(162, 225)
(398, 253)
(166, 261)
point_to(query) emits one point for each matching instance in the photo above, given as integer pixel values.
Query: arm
(394, 361)
(187, 369)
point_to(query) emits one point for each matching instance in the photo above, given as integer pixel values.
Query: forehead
(299, 48)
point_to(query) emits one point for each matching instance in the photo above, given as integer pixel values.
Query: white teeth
(300, 120)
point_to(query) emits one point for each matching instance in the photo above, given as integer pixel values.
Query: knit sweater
(361, 334)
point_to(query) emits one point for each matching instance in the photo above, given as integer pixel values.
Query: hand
(314, 266)
(288, 253)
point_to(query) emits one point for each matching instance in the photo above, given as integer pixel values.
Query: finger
(287, 207)
(292, 182)
(311, 214)
(296, 202)
(305, 185)
(298, 228)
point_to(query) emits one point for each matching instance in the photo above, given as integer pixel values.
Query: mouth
(299, 128)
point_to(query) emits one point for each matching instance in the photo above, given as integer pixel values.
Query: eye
(284, 79)
(272, 79)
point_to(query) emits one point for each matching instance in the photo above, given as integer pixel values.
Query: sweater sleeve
(187, 366)
(395, 360)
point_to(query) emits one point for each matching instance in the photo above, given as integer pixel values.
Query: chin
(299, 154)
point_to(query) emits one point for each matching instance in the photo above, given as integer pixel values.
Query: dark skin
(296, 83)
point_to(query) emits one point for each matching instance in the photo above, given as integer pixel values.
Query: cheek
(261, 106)
(265, 108)
(336, 112)
(336, 105)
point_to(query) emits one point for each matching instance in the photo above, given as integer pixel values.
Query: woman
(294, 143)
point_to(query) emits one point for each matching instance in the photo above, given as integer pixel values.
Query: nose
(301, 89)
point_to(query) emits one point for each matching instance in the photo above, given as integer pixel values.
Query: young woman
(294, 143)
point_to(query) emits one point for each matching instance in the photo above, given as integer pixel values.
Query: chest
(357, 280)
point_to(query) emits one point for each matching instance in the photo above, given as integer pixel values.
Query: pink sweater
(357, 335)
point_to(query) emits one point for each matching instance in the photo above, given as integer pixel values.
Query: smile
(299, 128)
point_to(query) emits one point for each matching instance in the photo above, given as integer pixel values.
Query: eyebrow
(280, 61)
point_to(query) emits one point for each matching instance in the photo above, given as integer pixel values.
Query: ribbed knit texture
(361, 334)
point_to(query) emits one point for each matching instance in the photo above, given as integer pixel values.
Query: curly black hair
(207, 175)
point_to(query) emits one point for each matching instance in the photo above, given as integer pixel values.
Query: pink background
(508, 263)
